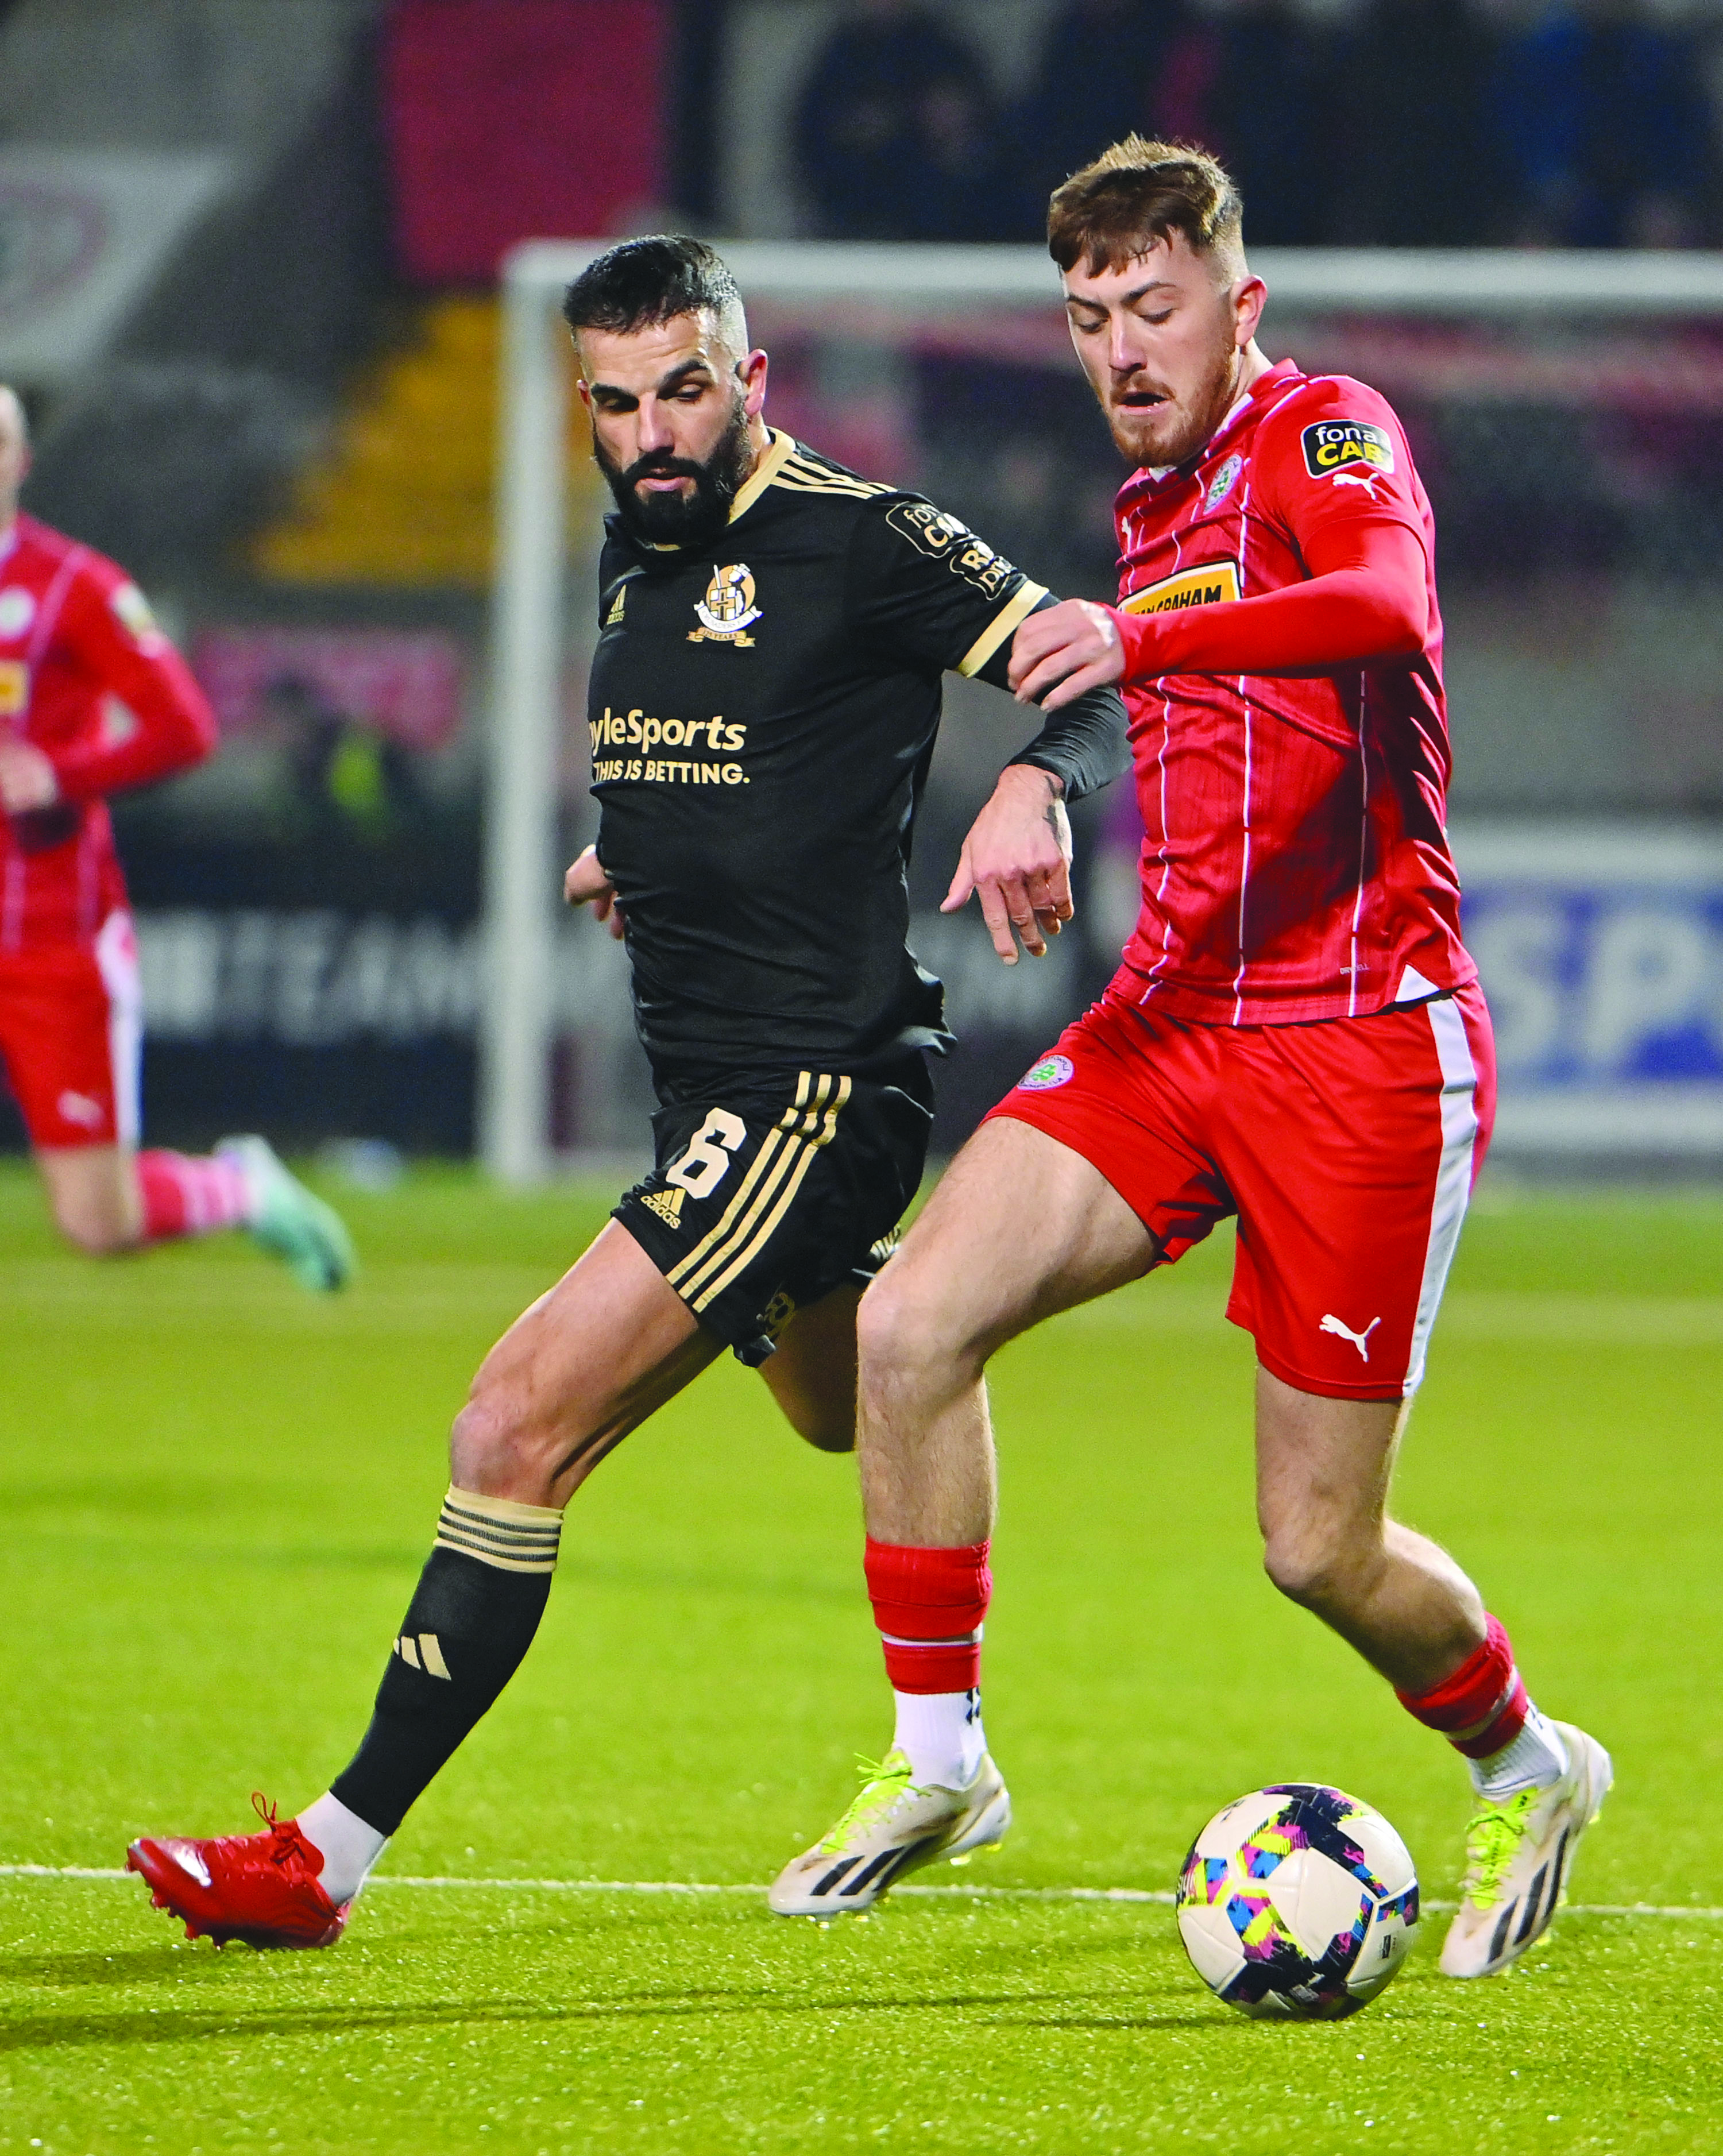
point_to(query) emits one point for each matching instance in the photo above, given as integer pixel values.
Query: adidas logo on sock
(666, 1204)
(421, 1652)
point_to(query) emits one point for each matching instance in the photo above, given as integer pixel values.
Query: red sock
(188, 1196)
(1482, 1708)
(929, 1604)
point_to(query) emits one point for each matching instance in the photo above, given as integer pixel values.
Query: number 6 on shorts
(706, 1162)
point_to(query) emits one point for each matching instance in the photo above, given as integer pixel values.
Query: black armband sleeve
(1084, 743)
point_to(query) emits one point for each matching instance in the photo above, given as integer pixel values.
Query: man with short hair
(1295, 1038)
(93, 699)
(764, 705)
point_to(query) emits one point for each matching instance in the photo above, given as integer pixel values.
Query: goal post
(542, 620)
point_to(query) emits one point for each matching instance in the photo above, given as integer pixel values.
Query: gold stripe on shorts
(768, 1228)
(709, 1241)
(808, 1149)
(789, 1150)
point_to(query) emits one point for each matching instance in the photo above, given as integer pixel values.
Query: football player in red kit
(1295, 1038)
(93, 700)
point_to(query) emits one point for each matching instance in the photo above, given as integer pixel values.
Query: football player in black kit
(763, 705)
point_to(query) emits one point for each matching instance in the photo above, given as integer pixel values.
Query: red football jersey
(87, 677)
(1296, 866)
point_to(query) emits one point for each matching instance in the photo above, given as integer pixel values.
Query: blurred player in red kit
(93, 699)
(1295, 1038)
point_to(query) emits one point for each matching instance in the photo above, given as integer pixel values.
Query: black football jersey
(762, 712)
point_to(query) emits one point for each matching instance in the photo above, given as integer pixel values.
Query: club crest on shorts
(728, 611)
(1050, 1071)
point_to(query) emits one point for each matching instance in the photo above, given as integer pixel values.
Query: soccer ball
(1297, 1899)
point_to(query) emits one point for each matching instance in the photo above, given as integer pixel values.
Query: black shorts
(763, 1199)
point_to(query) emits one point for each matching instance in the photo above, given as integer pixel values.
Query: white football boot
(895, 1826)
(1519, 1851)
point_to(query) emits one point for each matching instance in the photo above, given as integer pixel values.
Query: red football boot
(261, 1888)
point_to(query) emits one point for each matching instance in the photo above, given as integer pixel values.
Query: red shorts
(1347, 1149)
(71, 1033)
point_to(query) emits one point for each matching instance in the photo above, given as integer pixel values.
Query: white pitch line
(1137, 1894)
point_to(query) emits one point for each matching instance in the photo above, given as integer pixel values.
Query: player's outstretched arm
(1364, 603)
(922, 584)
(585, 883)
(1017, 859)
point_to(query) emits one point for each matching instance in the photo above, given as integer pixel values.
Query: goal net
(1567, 413)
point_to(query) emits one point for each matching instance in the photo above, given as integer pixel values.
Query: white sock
(347, 1846)
(1536, 1757)
(941, 1734)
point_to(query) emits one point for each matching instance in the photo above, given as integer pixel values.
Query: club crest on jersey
(1224, 480)
(1209, 583)
(1050, 1071)
(1334, 445)
(14, 688)
(18, 610)
(728, 611)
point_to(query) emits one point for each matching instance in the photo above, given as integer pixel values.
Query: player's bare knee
(495, 1436)
(1321, 1567)
(902, 1329)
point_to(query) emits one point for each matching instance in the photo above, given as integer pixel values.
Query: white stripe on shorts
(1453, 1176)
(116, 959)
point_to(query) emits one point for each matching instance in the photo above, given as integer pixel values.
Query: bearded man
(763, 705)
(1295, 1038)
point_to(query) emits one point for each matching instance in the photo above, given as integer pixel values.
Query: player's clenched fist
(585, 883)
(1064, 651)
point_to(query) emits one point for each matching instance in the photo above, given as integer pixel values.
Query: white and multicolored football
(1297, 1899)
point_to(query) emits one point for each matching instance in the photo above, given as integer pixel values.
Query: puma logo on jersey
(666, 1204)
(422, 1652)
(1366, 480)
(1361, 1341)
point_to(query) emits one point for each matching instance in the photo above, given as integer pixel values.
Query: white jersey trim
(1244, 813)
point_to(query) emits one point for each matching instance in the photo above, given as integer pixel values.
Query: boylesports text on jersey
(636, 730)
(1209, 583)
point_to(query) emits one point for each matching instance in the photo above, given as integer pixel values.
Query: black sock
(471, 1619)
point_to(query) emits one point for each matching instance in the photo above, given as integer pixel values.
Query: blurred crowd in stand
(1410, 123)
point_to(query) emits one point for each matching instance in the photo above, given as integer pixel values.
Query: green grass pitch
(215, 1494)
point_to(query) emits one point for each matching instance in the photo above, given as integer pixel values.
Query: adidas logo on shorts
(666, 1204)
